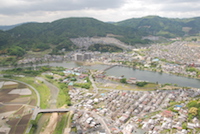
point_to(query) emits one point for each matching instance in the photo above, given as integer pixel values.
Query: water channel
(130, 72)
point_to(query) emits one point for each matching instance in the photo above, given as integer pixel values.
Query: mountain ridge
(162, 26)
(40, 36)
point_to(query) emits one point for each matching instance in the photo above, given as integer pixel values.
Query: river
(138, 74)
(153, 76)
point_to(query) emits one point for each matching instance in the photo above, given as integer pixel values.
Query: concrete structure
(78, 57)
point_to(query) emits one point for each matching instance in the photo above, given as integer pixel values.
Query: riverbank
(142, 73)
(153, 70)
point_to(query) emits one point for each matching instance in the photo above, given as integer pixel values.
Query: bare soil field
(9, 108)
(13, 123)
(33, 102)
(20, 112)
(51, 125)
(4, 91)
(5, 97)
(17, 103)
(20, 129)
(10, 85)
(20, 100)
(22, 86)
(18, 125)
(25, 119)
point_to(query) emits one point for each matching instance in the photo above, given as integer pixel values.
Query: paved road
(100, 119)
(94, 86)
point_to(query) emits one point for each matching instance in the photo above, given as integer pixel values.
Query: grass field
(119, 86)
(61, 124)
(41, 88)
(192, 37)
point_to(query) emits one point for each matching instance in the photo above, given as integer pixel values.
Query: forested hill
(57, 34)
(39, 36)
(166, 27)
(70, 27)
(4, 28)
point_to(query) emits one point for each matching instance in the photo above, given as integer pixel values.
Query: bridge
(37, 110)
(53, 110)
(109, 68)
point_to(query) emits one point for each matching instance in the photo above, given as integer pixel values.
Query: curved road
(101, 120)
(94, 86)
(38, 99)
(38, 95)
(54, 92)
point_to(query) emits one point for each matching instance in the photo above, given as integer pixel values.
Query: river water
(153, 76)
(138, 74)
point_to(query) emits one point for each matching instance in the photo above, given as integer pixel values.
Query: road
(38, 99)
(54, 92)
(38, 95)
(100, 119)
(93, 85)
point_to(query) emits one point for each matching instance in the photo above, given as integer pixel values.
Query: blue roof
(155, 60)
(179, 106)
(71, 84)
(77, 74)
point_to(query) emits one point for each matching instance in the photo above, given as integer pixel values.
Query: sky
(19, 11)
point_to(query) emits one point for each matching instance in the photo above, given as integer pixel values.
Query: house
(191, 125)
(168, 114)
(128, 129)
(123, 118)
(82, 76)
(71, 85)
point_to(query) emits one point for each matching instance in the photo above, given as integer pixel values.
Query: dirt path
(68, 128)
(54, 92)
(51, 125)
(52, 102)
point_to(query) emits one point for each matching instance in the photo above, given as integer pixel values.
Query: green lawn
(41, 88)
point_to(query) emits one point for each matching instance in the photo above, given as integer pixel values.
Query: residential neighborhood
(100, 103)
(126, 111)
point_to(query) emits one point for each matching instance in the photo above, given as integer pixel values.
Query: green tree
(123, 80)
(16, 51)
(141, 84)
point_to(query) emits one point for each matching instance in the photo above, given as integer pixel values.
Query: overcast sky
(18, 11)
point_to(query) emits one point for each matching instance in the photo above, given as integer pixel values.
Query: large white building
(82, 57)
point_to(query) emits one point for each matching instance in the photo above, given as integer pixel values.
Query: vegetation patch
(105, 48)
(141, 84)
(41, 88)
(63, 96)
(28, 71)
(61, 125)
(194, 109)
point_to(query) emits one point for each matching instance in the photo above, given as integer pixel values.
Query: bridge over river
(37, 110)
(109, 68)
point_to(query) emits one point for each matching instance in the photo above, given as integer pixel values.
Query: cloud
(17, 11)
(21, 6)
